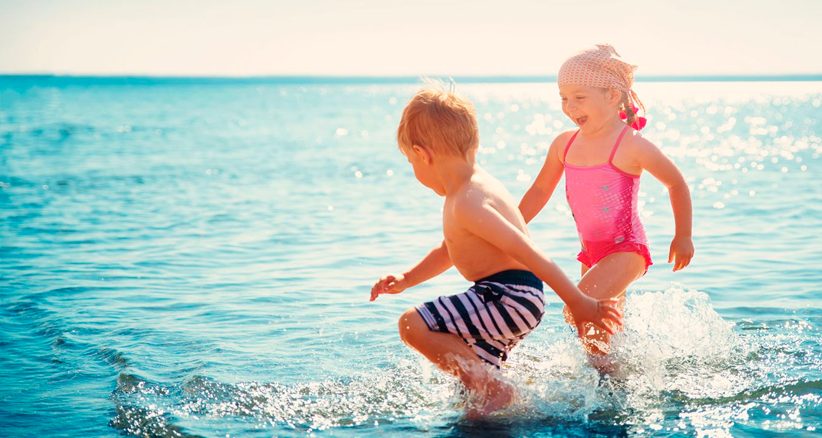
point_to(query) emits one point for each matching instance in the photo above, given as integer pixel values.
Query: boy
(486, 239)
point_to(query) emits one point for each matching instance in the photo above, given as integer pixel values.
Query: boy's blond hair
(441, 121)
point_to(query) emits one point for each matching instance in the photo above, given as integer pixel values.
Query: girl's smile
(589, 108)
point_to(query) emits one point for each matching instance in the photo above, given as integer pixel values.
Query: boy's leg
(609, 278)
(452, 355)
(448, 352)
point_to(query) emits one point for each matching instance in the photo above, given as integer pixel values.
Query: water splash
(679, 366)
(400, 392)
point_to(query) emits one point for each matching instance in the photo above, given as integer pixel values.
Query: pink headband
(598, 66)
(601, 66)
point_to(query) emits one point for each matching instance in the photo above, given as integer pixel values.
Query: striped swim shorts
(492, 316)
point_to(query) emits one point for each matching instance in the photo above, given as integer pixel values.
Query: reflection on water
(195, 259)
(680, 368)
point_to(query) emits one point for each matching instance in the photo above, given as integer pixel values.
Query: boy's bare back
(472, 254)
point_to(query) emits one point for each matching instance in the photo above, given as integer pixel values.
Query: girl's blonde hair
(627, 104)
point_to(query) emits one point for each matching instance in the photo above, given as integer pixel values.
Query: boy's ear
(423, 153)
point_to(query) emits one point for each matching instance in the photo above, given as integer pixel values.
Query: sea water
(194, 258)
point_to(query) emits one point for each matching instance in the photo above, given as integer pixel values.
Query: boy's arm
(662, 168)
(435, 263)
(544, 184)
(479, 218)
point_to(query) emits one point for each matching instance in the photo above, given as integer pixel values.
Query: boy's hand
(682, 251)
(602, 313)
(388, 284)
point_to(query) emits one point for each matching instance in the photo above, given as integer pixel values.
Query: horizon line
(394, 79)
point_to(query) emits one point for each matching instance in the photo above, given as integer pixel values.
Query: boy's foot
(498, 395)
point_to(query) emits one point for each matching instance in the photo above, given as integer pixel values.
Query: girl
(602, 161)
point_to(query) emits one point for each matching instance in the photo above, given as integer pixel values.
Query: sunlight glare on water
(184, 258)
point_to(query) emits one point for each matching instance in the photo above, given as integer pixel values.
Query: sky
(404, 38)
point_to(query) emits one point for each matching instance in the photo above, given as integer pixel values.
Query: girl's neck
(606, 129)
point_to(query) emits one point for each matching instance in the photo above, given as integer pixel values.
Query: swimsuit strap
(569, 145)
(619, 139)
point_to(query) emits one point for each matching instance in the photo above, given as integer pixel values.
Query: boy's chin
(438, 190)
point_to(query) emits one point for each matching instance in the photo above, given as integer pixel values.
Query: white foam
(672, 341)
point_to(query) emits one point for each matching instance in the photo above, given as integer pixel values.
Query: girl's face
(590, 108)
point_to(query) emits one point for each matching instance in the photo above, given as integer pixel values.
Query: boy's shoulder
(481, 189)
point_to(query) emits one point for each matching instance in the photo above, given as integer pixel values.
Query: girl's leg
(609, 278)
(452, 355)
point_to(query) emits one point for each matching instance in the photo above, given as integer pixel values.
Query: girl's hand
(388, 284)
(682, 251)
(602, 314)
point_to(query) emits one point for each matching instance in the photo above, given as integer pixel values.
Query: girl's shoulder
(635, 143)
(560, 142)
(565, 136)
(562, 139)
(636, 152)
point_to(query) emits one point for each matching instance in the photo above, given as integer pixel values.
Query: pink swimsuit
(603, 200)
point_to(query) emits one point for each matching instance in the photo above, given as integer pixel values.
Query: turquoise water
(184, 258)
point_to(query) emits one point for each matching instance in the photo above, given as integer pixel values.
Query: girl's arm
(435, 263)
(540, 192)
(663, 169)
